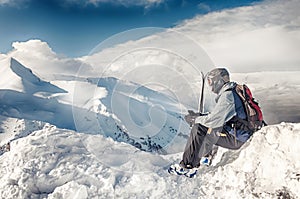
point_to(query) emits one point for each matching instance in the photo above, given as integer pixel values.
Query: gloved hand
(191, 117)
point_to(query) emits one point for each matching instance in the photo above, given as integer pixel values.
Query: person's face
(210, 83)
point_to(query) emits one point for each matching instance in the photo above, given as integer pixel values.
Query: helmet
(216, 78)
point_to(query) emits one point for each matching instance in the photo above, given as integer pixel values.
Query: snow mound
(265, 167)
(12, 128)
(56, 163)
(59, 163)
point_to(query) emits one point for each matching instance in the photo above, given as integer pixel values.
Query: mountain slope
(145, 118)
(24, 95)
(20, 78)
(57, 163)
(123, 110)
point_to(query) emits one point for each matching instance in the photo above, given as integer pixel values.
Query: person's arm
(222, 113)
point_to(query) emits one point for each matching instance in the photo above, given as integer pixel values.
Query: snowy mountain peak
(17, 77)
(32, 83)
(23, 72)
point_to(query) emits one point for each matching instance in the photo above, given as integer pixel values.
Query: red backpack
(254, 120)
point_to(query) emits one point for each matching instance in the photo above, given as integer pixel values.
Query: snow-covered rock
(265, 167)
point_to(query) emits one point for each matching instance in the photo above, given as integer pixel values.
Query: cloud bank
(264, 36)
(261, 37)
(38, 56)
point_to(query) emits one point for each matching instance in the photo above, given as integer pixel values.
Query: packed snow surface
(60, 163)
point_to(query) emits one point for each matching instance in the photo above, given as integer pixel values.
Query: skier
(220, 127)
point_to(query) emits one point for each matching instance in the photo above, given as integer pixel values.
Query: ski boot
(176, 169)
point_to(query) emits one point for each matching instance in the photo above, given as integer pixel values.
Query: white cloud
(264, 36)
(4, 1)
(204, 7)
(261, 37)
(38, 56)
(34, 47)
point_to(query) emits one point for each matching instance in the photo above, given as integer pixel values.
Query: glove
(191, 117)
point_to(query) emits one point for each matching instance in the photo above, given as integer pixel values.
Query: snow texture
(60, 163)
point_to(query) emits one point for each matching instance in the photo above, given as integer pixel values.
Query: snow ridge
(31, 83)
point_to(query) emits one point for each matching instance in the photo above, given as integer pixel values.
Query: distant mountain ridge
(125, 111)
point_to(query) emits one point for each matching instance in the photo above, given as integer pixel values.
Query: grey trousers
(201, 142)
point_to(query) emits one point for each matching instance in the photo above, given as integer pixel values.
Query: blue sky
(75, 27)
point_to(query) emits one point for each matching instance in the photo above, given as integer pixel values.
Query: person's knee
(195, 130)
(212, 138)
(232, 145)
(199, 129)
